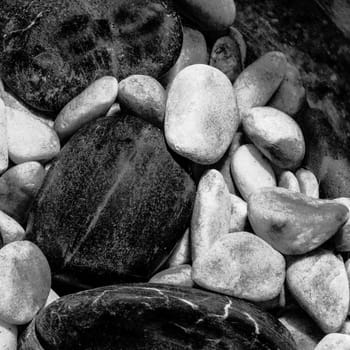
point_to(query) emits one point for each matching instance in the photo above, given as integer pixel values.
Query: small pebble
(144, 97)
(114, 110)
(4, 154)
(251, 170)
(239, 214)
(308, 183)
(288, 181)
(342, 237)
(180, 275)
(182, 252)
(319, 283)
(334, 341)
(10, 229)
(90, 104)
(25, 282)
(237, 36)
(29, 139)
(51, 297)
(241, 265)
(8, 336)
(201, 115)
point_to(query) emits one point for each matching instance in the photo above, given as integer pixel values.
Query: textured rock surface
(149, 316)
(106, 231)
(53, 50)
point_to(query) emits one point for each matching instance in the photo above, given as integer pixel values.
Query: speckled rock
(107, 232)
(292, 222)
(318, 281)
(8, 336)
(182, 251)
(4, 156)
(67, 46)
(334, 341)
(237, 36)
(10, 229)
(239, 214)
(154, 317)
(180, 275)
(308, 183)
(288, 181)
(342, 237)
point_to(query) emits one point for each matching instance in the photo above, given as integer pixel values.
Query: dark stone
(153, 316)
(113, 204)
(52, 50)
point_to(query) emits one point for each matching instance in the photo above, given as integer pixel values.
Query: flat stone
(25, 282)
(10, 229)
(67, 46)
(8, 336)
(4, 156)
(308, 183)
(182, 251)
(319, 283)
(334, 341)
(154, 317)
(242, 265)
(107, 233)
(29, 139)
(292, 222)
(239, 214)
(288, 181)
(180, 275)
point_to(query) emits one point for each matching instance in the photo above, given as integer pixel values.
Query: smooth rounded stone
(4, 156)
(153, 316)
(182, 252)
(193, 51)
(108, 233)
(8, 336)
(288, 181)
(292, 222)
(114, 110)
(177, 276)
(319, 283)
(226, 56)
(10, 229)
(237, 36)
(91, 103)
(334, 341)
(51, 297)
(209, 16)
(302, 328)
(29, 139)
(144, 97)
(258, 82)
(342, 237)
(239, 214)
(251, 170)
(25, 281)
(241, 265)
(211, 213)
(308, 183)
(18, 188)
(276, 135)
(201, 114)
(70, 45)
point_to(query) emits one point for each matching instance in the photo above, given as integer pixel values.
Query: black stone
(148, 316)
(52, 50)
(113, 204)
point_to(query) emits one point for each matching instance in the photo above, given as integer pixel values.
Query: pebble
(182, 252)
(258, 82)
(308, 183)
(51, 297)
(226, 56)
(288, 181)
(10, 229)
(25, 282)
(290, 96)
(4, 156)
(29, 139)
(249, 165)
(319, 283)
(237, 36)
(276, 135)
(144, 97)
(91, 103)
(114, 110)
(180, 275)
(239, 214)
(8, 336)
(241, 265)
(201, 115)
(334, 341)
(211, 213)
(342, 237)
(18, 187)
(292, 222)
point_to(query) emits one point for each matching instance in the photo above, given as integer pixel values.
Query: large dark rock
(51, 50)
(113, 205)
(148, 316)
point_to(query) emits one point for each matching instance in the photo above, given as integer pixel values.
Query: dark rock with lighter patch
(113, 204)
(153, 316)
(52, 50)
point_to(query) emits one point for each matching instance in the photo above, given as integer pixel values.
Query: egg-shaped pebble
(334, 341)
(292, 222)
(10, 229)
(342, 237)
(51, 297)
(258, 82)
(25, 281)
(144, 97)
(8, 336)
(201, 115)
(91, 103)
(308, 183)
(319, 283)
(288, 181)
(251, 170)
(29, 139)
(276, 135)
(211, 213)
(239, 214)
(182, 251)
(4, 155)
(241, 265)
(180, 275)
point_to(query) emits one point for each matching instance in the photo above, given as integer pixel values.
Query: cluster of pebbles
(259, 230)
